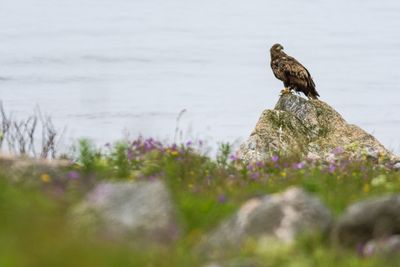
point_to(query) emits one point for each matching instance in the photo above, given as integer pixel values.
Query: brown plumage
(293, 75)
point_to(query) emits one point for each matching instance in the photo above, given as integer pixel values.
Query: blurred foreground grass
(34, 229)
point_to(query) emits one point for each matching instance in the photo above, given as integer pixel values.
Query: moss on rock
(308, 127)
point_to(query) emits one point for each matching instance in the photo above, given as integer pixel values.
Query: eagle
(293, 75)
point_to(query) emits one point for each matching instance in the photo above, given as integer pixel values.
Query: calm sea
(105, 68)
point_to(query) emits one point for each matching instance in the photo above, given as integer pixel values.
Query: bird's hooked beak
(276, 49)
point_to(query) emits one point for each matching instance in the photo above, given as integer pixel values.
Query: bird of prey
(293, 75)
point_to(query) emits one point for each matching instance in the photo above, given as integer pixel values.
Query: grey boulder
(130, 211)
(372, 219)
(278, 217)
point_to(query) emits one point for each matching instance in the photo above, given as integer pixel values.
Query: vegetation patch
(206, 190)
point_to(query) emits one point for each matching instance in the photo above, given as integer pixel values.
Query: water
(104, 67)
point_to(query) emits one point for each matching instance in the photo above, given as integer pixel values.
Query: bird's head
(276, 48)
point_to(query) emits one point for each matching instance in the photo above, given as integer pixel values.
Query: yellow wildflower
(174, 153)
(283, 174)
(366, 188)
(45, 178)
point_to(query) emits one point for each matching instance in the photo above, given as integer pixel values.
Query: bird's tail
(312, 92)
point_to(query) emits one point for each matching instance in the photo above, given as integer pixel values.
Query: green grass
(34, 229)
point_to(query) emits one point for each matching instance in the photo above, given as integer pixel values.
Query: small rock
(129, 211)
(396, 166)
(28, 170)
(373, 219)
(278, 217)
(382, 246)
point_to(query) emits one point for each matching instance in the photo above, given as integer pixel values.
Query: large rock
(137, 212)
(373, 219)
(270, 219)
(311, 128)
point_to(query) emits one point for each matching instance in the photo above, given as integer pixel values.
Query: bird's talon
(286, 91)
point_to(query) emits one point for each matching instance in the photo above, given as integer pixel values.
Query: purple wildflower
(369, 249)
(260, 164)
(221, 198)
(130, 154)
(233, 157)
(360, 249)
(298, 166)
(148, 144)
(338, 150)
(286, 164)
(250, 167)
(332, 168)
(73, 175)
(275, 158)
(255, 175)
(189, 143)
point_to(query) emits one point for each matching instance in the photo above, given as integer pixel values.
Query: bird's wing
(294, 69)
(278, 69)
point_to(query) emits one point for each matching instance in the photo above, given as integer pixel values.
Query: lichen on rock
(311, 128)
